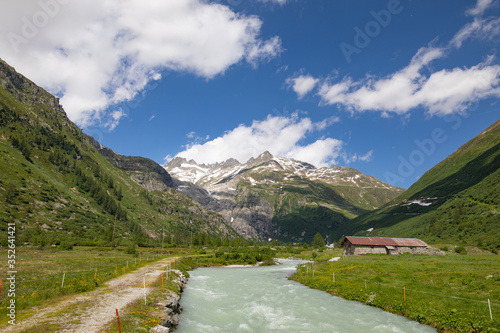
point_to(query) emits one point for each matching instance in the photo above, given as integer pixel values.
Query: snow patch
(420, 202)
(187, 165)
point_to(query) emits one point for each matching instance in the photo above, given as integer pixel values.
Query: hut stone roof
(385, 241)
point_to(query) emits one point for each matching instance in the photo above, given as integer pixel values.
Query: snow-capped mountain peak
(259, 169)
(249, 195)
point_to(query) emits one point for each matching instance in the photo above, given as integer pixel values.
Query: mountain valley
(60, 184)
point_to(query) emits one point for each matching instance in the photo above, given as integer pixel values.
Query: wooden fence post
(489, 305)
(118, 320)
(62, 283)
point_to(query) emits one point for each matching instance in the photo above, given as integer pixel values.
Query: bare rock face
(26, 91)
(144, 171)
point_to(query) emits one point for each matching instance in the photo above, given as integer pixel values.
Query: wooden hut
(383, 245)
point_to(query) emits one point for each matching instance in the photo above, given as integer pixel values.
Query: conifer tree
(318, 241)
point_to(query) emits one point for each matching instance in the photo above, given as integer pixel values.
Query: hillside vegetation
(457, 201)
(58, 188)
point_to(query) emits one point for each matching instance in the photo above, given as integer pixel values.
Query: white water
(262, 299)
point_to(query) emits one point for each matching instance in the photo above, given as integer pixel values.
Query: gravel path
(92, 311)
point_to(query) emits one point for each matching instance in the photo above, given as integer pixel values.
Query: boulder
(159, 329)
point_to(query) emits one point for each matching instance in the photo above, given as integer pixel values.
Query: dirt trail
(92, 311)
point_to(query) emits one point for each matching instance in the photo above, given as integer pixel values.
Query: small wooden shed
(383, 245)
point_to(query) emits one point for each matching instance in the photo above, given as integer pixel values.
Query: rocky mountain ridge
(215, 174)
(257, 197)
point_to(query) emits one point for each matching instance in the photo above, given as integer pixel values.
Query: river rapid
(262, 299)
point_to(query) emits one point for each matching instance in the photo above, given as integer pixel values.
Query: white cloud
(354, 158)
(479, 29)
(96, 53)
(419, 85)
(168, 158)
(321, 153)
(279, 2)
(279, 135)
(263, 51)
(442, 92)
(480, 7)
(366, 157)
(302, 84)
(195, 139)
(114, 119)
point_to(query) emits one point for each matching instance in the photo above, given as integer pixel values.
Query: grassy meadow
(40, 272)
(450, 293)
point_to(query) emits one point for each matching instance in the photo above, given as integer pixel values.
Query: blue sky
(386, 87)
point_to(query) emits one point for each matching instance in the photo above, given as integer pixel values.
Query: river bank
(449, 293)
(262, 299)
(170, 307)
(145, 315)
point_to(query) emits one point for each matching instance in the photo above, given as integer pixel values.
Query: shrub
(268, 262)
(65, 245)
(131, 249)
(461, 250)
(444, 248)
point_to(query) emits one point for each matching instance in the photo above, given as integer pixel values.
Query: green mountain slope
(458, 200)
(57, 187)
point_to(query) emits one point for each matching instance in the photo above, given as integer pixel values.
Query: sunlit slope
(457, 200)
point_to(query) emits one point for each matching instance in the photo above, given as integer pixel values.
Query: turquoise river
(262, 299)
